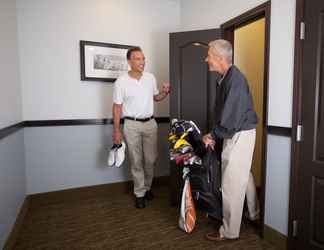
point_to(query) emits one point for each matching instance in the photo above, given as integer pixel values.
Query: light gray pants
(237, 181)
(141, 140)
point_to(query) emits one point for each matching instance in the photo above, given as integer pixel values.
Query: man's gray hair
(222, 48)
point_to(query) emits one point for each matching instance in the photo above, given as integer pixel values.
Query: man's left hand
(166, 87)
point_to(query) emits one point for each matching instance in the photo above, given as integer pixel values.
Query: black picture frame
(102, 62)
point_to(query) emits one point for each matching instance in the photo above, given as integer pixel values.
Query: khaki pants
(141, 140)
(237, 181)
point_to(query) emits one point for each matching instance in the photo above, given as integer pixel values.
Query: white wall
(49, 33)
(207, 14)
(210, 14)
(10, 93)
(281, 68)
(12, 162)
(75, 156)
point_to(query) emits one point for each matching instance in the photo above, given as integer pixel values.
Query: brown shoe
(215, 236)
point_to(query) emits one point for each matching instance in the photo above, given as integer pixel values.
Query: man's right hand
(209, 141)
(117, 136)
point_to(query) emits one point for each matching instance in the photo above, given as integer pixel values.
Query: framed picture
(102, 61)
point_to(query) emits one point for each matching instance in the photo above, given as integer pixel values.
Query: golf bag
(205, 182)
(188, 150)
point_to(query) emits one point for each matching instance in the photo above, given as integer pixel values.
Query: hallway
(112, 222)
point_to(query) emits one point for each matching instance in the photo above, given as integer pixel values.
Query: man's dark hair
(131, 50)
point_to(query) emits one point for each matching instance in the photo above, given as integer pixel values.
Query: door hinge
(302, 31)
(295, 228)
(299, 132)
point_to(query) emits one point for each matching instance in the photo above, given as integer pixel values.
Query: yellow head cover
(180, 143)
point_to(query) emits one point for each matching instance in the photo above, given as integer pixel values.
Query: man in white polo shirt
(133, 98)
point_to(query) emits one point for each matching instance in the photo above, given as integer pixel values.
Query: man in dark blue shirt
(235, 123)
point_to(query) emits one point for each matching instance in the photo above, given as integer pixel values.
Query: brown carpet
(112, 222)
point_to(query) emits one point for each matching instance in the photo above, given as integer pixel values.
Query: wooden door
(193, 86)
(310, 214)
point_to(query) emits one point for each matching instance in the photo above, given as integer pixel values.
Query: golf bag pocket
(187, 219)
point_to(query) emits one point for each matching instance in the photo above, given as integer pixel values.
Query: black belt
(139, 119)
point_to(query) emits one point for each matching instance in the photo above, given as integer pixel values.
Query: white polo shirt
(136, 95)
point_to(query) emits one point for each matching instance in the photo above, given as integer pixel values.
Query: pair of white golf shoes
(116, 155)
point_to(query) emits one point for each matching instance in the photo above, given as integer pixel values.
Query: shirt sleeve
(155, 88)
(118, 97)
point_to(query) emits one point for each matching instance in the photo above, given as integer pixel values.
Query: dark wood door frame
(296, 119)
(228, 34)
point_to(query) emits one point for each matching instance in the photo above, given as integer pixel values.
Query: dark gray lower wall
(277, 183)
(12, 181)
(63, 157)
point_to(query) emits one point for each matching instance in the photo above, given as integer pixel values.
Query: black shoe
(255, 223)
(139, 202)
(149, 195)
